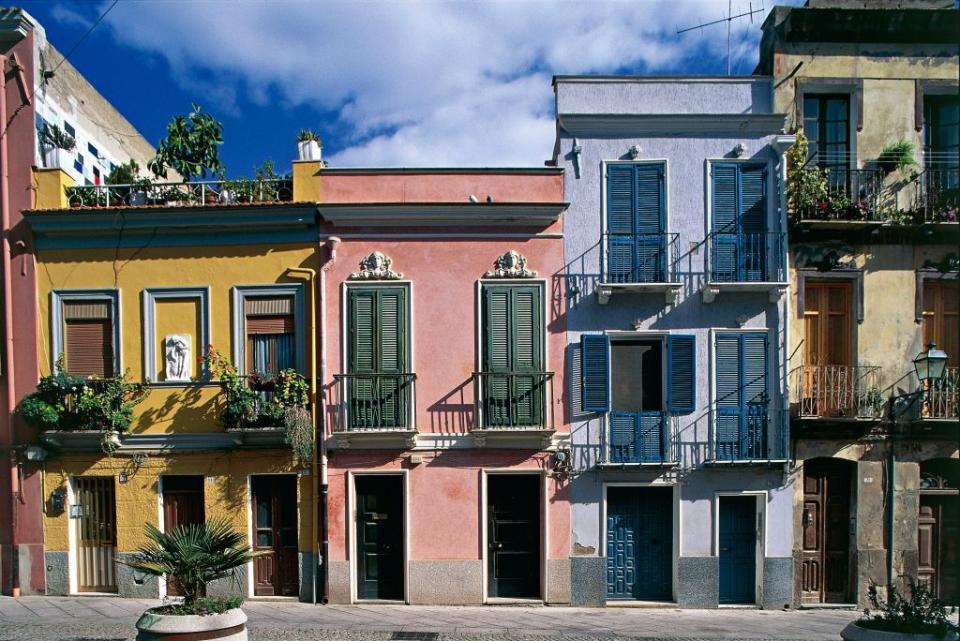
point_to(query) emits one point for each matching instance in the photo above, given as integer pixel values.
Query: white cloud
(424, 83)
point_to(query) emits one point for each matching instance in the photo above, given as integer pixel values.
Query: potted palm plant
(308, 145)
(195, 555)
(57, 145)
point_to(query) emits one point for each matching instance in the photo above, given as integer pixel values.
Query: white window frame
(239, 325)
(57, 324)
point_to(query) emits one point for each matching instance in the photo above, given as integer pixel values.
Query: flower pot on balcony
(228, 626)
(308, 150)
(57, 158)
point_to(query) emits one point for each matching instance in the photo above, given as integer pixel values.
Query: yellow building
(145, 290)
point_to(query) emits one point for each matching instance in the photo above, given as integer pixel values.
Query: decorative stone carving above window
(511, 265)
(376, 266)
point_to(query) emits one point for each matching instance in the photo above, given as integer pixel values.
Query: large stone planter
(854, 632)
(229, 626)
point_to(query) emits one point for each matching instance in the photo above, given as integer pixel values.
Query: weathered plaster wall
(665, 95)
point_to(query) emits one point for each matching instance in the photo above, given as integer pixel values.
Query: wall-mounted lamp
(136, 461)
(634, 152)
(739, 149)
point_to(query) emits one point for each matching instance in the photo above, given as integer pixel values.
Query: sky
(399, 83)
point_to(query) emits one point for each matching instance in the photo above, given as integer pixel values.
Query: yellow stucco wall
(226, 492)
(306, 181)
(50, 188)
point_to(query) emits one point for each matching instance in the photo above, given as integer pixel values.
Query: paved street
(89, 618)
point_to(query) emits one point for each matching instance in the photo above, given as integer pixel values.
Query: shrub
(921, 613)
(203, 606)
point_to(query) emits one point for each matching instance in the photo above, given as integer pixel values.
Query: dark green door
(513, 535)
(379, 537)
(639, 543)
(738, 549)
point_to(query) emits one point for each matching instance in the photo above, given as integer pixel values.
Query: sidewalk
(86, 618)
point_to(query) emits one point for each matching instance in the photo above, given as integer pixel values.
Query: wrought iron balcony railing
(757, 434)
(938, 195)
(514, 400)
(640, 437)
(837, 391)
(850, 195)
(943, 397)
(747, 258)
(170, 194)
(639, 258)
(371, 402)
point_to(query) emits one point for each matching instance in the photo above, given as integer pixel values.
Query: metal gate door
(96, 534)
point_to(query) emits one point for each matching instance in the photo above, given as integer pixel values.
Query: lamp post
(929, 366)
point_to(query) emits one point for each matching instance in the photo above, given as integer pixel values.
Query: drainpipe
(8, 326)
(331, 244)
(891, 496)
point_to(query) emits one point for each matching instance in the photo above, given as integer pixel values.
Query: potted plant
(191, 146)
(897, 155)
(871, 405)
(195, 554)
(921, 617)
(309, 145)
(57, 145)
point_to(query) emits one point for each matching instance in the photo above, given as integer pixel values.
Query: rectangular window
(941, 131)
(96, 176)
(270, 333)
(826, 124)
(941, 317)
(93, 150)
(740, 241)
(78, 162)
(378, 386)
(68, 128)
(636, 247)
(827, 323)
(88, 338)
(513, 383)
(741, 396)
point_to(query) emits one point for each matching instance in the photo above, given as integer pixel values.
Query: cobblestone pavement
(106, 618)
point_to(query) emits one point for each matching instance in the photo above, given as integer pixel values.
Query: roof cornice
(671, 124)
(527, 214)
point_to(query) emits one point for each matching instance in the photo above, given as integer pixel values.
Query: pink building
(443, 371)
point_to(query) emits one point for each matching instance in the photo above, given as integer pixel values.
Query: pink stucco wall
(416, 186)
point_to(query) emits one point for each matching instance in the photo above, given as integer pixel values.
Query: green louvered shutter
(753, 222)
(726, 233)
(648, 223)
(512, 347)
(682, 373)
(595, 372)
(728, 390)
(377, 346)
(391, 313)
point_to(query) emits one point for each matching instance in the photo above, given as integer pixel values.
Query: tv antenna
(729, 19)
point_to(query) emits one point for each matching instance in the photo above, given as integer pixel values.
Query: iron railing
(747, 258)
(639, 258)
(943, 396)
(758, 434)
(851, 195)
(838, 391)
(171, 194)
(640, 437)
(370, 402)
(514, 400)
(938, 195)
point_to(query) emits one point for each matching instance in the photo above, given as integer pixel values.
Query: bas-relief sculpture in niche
(177, 357)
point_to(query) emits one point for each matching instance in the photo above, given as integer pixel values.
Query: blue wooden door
(738, 549)
(639, 543)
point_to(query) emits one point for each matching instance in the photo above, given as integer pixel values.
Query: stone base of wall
(698, 581)
(558, 582)
(57, 572)
(133, 583)
(231, 586)
(447, 582)
(588, 581)
(777, 583)
(338, 582)
(307, 566)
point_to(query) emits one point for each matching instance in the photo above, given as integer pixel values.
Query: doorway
(96, 534)
(825, 522)
(276, 571)
(639, 543)
(938, 528)
(737, 539)
(380, 558)
(513, 536)
(182, 505)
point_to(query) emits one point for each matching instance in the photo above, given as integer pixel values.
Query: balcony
(182, 194)
(513, 409)
(938, 196)
(639, 263)
(747, 262)
(837, 392)
(942, 400)
(848, 198)
(758, 436)
(375, 410)
(639, 439)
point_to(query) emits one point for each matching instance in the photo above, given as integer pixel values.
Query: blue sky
(401, 83)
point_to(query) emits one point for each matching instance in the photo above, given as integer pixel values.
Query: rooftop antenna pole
(729, 19)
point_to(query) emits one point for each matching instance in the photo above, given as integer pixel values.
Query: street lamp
(931, 364)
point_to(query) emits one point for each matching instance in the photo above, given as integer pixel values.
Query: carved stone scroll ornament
(511, 265)
(376, 266)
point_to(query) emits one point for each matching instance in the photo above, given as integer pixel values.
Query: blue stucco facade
(687, 126)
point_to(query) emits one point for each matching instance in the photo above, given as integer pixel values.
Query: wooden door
(380, 537)
(941, 317)
(639, 544)
(276, 572)
(96, 534)
(828, 381)
(938, 532)
(825, 560)
(182, 505)
(738, 549)
(513, 535)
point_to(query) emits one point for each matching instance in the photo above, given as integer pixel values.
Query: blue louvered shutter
(595, 372)
(682, 375)
(620, 218)
(623, 437)
(729, 396)
(650, 436)
(753, 433)
(726, 236)
(648, 223)
(753, 222)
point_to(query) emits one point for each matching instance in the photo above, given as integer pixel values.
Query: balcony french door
(740, 240)
(829, 384)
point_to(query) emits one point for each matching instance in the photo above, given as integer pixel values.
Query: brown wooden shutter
(270, 325)
(89, 347)
(941, 317)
